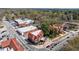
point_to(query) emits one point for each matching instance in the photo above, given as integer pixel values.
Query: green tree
(45, 28)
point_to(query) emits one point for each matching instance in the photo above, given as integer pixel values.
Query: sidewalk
(48, 41)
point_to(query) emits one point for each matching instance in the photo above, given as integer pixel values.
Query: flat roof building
(24, 30)
(20, 22)
(23, 22)
(28, 21)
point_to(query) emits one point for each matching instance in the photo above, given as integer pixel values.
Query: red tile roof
(5, 43)
(12, 43)
(16, 45)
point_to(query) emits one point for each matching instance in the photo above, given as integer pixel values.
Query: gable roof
(6, 43)
(36, 32)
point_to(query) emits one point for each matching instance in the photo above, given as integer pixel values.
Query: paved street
(11, 30)
(70, 36)
(13, 33)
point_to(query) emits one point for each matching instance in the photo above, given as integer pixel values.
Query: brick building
(35, 36)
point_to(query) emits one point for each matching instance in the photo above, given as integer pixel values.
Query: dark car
(51, 45)
(67, 37)
(18, 32)
(3, 31)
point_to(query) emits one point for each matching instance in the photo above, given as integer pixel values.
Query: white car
(0, 36)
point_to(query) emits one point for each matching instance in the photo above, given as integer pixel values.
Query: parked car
(0, 36)
(67, 37)
(51, 45)
(18, 32)
(1, 26)
(3, 31)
